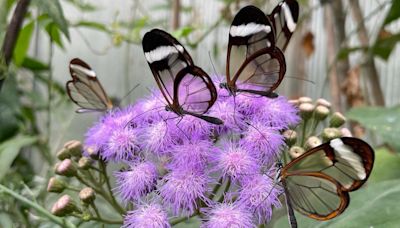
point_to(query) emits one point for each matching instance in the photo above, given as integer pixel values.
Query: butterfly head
(231, 89)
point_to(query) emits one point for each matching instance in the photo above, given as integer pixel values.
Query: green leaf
(383, 121)
(55, 12)
(23, 41)
(393, 14)
(376, 206)
(10, 149)
(9, 108)
(34, 64)
(183, 32)
(92, 25)
(386, 166)
(345, 52)
(54, 34)
(384, 47)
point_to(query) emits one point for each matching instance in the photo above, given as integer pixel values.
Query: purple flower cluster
(182, 166)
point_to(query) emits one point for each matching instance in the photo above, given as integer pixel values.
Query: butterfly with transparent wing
(260, 41)
(317, 183)
(85, 89)
(187, 89)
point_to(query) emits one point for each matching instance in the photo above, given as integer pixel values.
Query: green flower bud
(63, 154)
(87, 195)
(56, 185)
(64, 206)
(311, 142)
(321, 112)
(74, 147)
(295, 152)
(337, 120)
(84, 163)
(306, 110)
(324, 102)
(305, 100)
(290, 137)
(330, 133)
(66, 168)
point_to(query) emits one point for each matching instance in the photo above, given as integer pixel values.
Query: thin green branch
(60, 221)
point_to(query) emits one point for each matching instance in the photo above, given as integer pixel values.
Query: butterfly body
(187, 89)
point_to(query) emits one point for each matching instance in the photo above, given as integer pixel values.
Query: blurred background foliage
(343, 50)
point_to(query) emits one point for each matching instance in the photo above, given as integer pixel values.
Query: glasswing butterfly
(187, 89)
(317, 183)
(85, 89)
(261, 40)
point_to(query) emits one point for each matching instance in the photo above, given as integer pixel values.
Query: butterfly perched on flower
(187, 89)
(85, 89)
(317, 183)
(260, 41)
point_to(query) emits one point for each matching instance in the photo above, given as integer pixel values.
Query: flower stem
(227, 186)
(303, 134)
(60, 221)
(216, 188)
(182, 219)
(115, 203)
(106, 221)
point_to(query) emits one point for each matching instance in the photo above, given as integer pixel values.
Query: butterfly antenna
(130, 91)
(301, 79)
(213, 66)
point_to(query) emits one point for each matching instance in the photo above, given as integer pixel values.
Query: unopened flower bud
(306, 110)
(305, 100)
(64, 206)
(324, 102)
(337, 120)
(311, 142)
(63, 154)
(74, 147)
(294, 102)
(56, 185)
(321, 112)
(87, 195)
(84, 163)
(346, 132)
(66, 168)
(295, 152)
(290, 137)
(331, 133)
(92, 152)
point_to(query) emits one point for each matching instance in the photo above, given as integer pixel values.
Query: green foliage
(23, 41)
(383, 121)
(393, 14)
(54, 11)
(10, 149)
(183, 32)
(386, 166)
(376, 205)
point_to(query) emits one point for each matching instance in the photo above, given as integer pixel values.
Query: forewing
(82, 95)
(85, 89)
(284, 19)
(166, 58)
(252, 58)
(195, 92)
(316, 195)
(347, 160)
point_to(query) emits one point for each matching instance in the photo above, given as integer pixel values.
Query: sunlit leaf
(55, 12)
(34, 64)
(376, 205)
(383, 121)
(54, 34)
(384, 47)
(10, 149)
(23, 41)
(386, 166)
(183, 32)
(393, 14)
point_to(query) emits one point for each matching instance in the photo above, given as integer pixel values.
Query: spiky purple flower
(236, 162)
(137, 181)
(147, 216)
(228, 215)
(158, 137)
(184, 189)
(191, 155)
(259, 195)
(263, 141)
